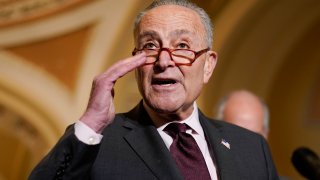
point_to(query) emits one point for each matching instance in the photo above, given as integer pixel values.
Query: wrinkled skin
(172, 27)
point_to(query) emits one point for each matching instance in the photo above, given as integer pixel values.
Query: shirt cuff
(85, 134)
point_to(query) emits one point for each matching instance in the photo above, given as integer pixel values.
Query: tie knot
(174, 128)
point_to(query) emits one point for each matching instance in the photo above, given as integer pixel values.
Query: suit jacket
(133, 149)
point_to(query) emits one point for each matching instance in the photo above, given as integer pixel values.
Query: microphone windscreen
(307, 163)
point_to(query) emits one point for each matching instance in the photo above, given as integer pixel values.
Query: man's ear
(209, 65)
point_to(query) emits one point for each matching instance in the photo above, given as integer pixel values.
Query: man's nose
(164, 59)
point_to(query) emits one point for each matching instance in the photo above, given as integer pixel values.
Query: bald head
(244, 109)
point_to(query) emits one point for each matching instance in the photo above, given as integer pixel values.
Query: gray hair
(205, 19)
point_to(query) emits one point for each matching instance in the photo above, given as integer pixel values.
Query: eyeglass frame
(196, 54)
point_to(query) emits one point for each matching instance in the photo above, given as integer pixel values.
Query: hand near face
(100, 111)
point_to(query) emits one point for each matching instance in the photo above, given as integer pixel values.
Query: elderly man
(165, 136)
(245, 109)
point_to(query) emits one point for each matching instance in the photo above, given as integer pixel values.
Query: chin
(165, 106)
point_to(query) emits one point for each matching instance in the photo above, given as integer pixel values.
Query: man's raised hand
(100, 111)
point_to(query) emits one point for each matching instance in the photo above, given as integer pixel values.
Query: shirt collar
(192, 121)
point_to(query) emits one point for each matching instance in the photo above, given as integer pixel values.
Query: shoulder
(228, 128)
(231, 131)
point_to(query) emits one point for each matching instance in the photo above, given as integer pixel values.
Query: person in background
(245, 109)
(165, 136)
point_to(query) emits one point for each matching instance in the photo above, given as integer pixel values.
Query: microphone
(307, 163)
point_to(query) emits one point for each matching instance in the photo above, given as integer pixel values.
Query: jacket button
(68, 157)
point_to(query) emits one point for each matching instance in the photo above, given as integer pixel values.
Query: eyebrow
(150, 33)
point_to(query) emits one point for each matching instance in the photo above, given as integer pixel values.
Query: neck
(161, 118)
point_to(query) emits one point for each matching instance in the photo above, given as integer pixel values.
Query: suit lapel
(223, 156)
(145, 140)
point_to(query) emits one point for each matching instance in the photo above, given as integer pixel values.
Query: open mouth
(163, 82)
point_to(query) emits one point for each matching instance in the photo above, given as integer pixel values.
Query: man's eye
(149, 46)
(183, 46)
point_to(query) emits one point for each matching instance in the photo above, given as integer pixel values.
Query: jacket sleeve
(69, 159)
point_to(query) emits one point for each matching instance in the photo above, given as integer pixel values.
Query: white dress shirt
(89, 136)
(197, 133)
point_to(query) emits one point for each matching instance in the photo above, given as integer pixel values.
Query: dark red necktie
(186, 153)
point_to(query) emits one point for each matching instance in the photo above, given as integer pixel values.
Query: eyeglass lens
(178, 56)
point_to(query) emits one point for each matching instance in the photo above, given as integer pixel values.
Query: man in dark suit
(172, 61)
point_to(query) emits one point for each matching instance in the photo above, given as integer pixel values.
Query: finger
(132, 61)
(123, 67)
(107, 79)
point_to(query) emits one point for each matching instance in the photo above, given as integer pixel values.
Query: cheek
(194, 80)
(195, 74)
(139, 79)
(142, 75)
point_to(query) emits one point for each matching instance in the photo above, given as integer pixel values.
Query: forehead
(169, 18)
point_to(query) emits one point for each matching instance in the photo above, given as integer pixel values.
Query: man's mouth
(163, 82)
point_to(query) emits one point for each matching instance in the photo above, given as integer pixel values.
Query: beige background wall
(50, 51)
